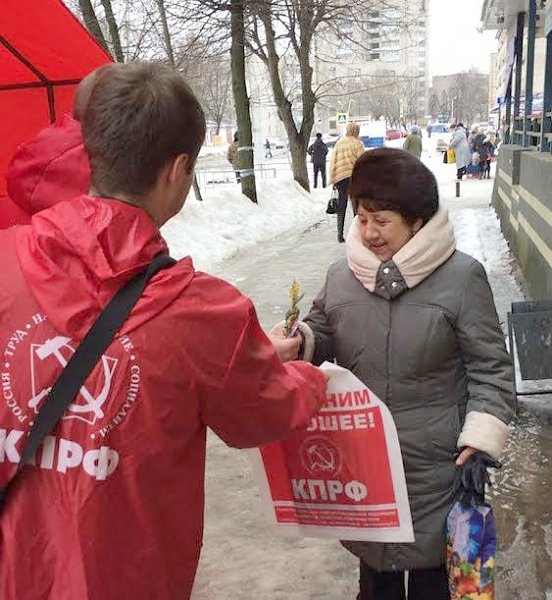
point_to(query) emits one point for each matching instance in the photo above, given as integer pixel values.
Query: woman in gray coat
(414, 319)
(459, 143)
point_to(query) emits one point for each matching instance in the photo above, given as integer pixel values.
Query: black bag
(83, 361)
(445, 157)
(331, 209)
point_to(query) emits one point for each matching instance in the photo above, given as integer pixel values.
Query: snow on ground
(226, 222)
(206, 151)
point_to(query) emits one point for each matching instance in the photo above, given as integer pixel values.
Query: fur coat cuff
(485, 433)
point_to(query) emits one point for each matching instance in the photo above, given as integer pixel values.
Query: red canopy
(44, 53)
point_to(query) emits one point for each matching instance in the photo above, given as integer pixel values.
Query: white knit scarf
(428, 249)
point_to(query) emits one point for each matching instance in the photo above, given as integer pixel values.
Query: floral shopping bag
(471, 552)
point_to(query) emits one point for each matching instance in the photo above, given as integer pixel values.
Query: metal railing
(213, 177)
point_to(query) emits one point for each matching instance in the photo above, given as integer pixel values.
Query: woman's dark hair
(392, 179)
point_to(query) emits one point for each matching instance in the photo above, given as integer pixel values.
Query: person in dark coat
(414, 319)
(482, 151)
(318, 151)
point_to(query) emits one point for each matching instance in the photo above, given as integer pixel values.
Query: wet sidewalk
(243, 560)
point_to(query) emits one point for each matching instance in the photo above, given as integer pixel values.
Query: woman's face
(385, 232)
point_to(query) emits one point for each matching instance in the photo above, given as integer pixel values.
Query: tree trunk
(197, 191)
(166, 33)
(113, 31)
(298, 151)
(91, 22)
(298, 139)
(241, 100)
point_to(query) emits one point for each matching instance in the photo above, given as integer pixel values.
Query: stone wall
(522, 198)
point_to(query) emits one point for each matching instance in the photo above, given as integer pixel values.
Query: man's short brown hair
(139, 116)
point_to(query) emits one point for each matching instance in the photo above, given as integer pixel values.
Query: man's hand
(325, 375)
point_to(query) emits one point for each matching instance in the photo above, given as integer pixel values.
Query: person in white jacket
(459, 143)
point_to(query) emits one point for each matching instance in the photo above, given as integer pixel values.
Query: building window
(390, 56)
(344, 51)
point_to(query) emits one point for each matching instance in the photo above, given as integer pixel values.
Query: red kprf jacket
(113, 507)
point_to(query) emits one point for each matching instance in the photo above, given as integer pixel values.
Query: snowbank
(207, 151)
(226, 222)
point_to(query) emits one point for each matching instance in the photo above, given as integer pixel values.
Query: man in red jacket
(112, 506)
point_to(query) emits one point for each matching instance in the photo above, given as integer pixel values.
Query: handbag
(445, 157)
(83, 361)
(470, 532)
(471, 551)
(331, 209)
(450, 156)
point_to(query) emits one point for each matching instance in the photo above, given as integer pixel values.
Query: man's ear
(179, 165)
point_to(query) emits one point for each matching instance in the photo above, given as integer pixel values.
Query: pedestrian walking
(471, 139)
(111, 504)
(318, 152)
(459, 143)
(344, 156)
(413, 142)
(233, 156)
(429, 129)
(490, 148)
(414, 319)
(482, 150)
(268, 149)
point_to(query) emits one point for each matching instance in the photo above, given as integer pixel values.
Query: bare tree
(470, 92)
(91, 22)
(167, 41)
(113, 31)
(299, 21)
(216, 90)
(241, 100)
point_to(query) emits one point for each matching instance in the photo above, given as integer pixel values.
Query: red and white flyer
(343, 477)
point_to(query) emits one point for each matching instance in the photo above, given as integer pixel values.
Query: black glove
(471, 478)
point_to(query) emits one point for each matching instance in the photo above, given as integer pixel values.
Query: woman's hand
(472, 476)
(287, 348)
(464, 455)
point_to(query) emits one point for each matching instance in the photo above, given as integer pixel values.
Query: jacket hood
(52, 167)
(76, 255)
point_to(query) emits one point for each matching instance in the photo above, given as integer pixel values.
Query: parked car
(395, 134)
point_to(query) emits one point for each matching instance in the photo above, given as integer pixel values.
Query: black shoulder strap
(84, 360)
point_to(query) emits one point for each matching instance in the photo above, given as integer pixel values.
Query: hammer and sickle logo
(320, 455)
(89, 411)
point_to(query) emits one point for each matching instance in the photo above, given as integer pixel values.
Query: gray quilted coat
(431, 353)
